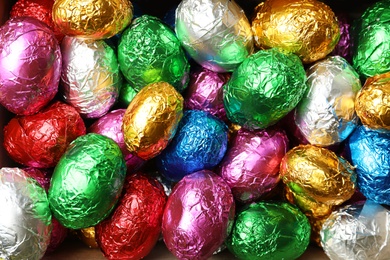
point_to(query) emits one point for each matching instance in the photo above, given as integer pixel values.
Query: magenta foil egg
(30, 65)
(251, 165)
(344, 46)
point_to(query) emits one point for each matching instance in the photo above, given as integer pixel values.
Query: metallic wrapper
(373, 103)
(344, 46)
(57, 236)
(151, 119)
(126, 94)
(198, 216)
(205, 92)
(25, 217)
(251, 164)
(135, 226)
(269, 230)
(92, 19)
(326, 114)
(30, 65)
(200, 143)
(264, 89)
(90, 79)
(92, 168)
(370, 154)
(371, 40)
(40, 140)
(215, 33)
(110, 125)
(308, 28)
(359, 231)
(42, 176)
(88, 236)
(149, 52)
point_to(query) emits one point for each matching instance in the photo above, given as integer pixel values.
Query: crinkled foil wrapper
(326, 114)
(370, 155)
(42, 176)
(198, 216)
(215, 33)
(40, 140)
(88, 236)
(92, 168)
(149, 52)
(90, 79)
(151, 119)
(200, 143)
(373, 103)
(371, 40)
(126, 94)
(264, 89)
(344, 46)
(251, 164)
(205, 92)
(269, 230)
(308, 28)
(135, 226)
(359, 231)
(110, 125)
(92, 19)
(25, 217)
(30, 65)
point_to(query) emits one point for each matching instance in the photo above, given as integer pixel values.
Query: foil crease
(215, 33)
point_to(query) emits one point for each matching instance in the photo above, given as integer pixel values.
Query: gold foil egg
(308, 28)
(372, 103)
(92, 19)
(151, 119)
(87, 236)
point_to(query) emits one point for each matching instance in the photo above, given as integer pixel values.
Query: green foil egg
(264, 88)
(126, 95)
(269, 230)
(87, 181)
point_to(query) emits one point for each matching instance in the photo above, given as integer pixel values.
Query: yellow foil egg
(372, 103)
(92, 19)
(87, 236)
(151, 119)
(308, 28)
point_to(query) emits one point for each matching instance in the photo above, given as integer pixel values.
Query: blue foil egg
(370, 151)
(200, 143)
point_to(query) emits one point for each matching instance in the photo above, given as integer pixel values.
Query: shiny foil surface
(40, 140)
(215, 33)
(269, 230)
(326, 114)
(317, 179)
(373, 103)
(344, 46)
(251, 164)
(370, 155)
(90, 79)
(57, 235)
(133, 229)
(88, 236)
(198, 216)
(371, 52)
(149, 52)
(92, 19)
(151, 119)
(308, 28)
(110, 125)
(264, 89)
(359, 231)
(30, 65)
(200, 143)
(25, 216)
(92, 168)
(205, 92)
(126, 94)
(42, 176)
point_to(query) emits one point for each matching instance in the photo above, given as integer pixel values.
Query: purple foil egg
(30, 65)
(110, 125)
(251, 165)
(205, 92)
(343, 48)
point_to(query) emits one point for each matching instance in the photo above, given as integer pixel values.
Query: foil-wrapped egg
(90, 78)
(198, 216)
(326, 114)
(42, 176)
(135, 226)
(151, 119)
(344, 46)
(92, 168)
(88, 236)
(126, 94)
(25, 217)
(30, 65)
(308, 28)
(215, 33)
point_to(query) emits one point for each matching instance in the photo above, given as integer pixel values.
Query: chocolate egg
(88, 236)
